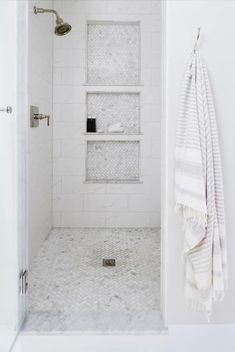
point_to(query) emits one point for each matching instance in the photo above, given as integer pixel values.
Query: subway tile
(130, 7)
(69, 166)
(116, 202)
(86, 7)
(150, 23)
(152, 130)
(75, 40)
(68, 202)
(73, 112)
(56, 149)
(156, 149)
(73, 149)
(138, 188)
(156, 42)
(56, 112)
(71, 184)
(94, 202)
(69, 94)
(145, 149)
(75, 184)
(150, 112)
(69, 58)
(72, 76)
(56, 219)
(67, 130)
(101, 202)
(156, 6)
(56, 184)
(155, 219)
(151, 166)
(93, 188)
(127, 219)
(82, 219)
(143, 203)
(57, 76)
(78, 22)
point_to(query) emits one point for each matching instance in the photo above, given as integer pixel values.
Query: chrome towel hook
(197, 39)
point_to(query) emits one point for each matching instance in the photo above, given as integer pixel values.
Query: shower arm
(37, 10)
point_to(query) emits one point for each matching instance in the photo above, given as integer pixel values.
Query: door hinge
(23, 281)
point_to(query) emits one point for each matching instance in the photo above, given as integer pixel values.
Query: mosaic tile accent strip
(112, 161)
(111, 108)
(70, 290)
(113, 53)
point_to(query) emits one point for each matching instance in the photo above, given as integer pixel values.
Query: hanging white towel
(199, 190)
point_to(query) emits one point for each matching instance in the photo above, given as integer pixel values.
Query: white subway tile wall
(40, 72)
(76, 203)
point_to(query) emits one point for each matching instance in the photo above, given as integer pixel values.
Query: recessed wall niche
(111, 108)
(113, 53)
(112, 161)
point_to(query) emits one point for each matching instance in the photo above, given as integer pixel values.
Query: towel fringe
(191, 216)
(200, 306)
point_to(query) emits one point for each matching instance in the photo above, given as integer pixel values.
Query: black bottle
(89, 124)
(93, 124)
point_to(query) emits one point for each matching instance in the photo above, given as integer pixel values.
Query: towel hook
(197, 39)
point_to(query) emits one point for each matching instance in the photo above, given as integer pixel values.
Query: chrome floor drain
(109, 262)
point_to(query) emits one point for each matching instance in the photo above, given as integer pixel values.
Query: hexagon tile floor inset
(70, 290)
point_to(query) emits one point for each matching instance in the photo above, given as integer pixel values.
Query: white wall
(40, 52)
(78, 204)
(216, 19)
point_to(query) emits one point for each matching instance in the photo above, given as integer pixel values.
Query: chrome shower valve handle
(42, 117)
(35, 116)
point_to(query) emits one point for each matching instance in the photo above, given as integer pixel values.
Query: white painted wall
(40, 56)
(97, 205)
(216, 19)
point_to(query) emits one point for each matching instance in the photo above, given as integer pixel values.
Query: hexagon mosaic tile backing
(113, 53)
(112, 161)
(70, 290)
(111, 108)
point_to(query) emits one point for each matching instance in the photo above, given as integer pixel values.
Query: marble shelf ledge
(112, 85)
(92, 88)
(113, 182)
(95, 136)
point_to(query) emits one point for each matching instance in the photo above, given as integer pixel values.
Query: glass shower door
(10, 237)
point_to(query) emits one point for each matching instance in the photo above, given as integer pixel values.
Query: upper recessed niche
(113, 53)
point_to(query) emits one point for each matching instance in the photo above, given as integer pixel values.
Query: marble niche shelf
(113, 53)
(112, 161)
(115, 107)
(91, 136)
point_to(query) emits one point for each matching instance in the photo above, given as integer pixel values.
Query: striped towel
(199, 190)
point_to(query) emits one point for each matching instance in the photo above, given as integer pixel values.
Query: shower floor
(70, 290)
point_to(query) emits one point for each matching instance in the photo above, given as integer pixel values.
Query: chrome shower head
(61, 27)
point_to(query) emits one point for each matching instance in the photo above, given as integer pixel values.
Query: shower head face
(62, 28)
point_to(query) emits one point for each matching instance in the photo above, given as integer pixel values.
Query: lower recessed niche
(113, 161)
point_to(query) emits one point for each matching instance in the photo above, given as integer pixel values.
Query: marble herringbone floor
(70, 290)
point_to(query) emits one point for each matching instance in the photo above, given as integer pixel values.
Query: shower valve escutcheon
(35, 117)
